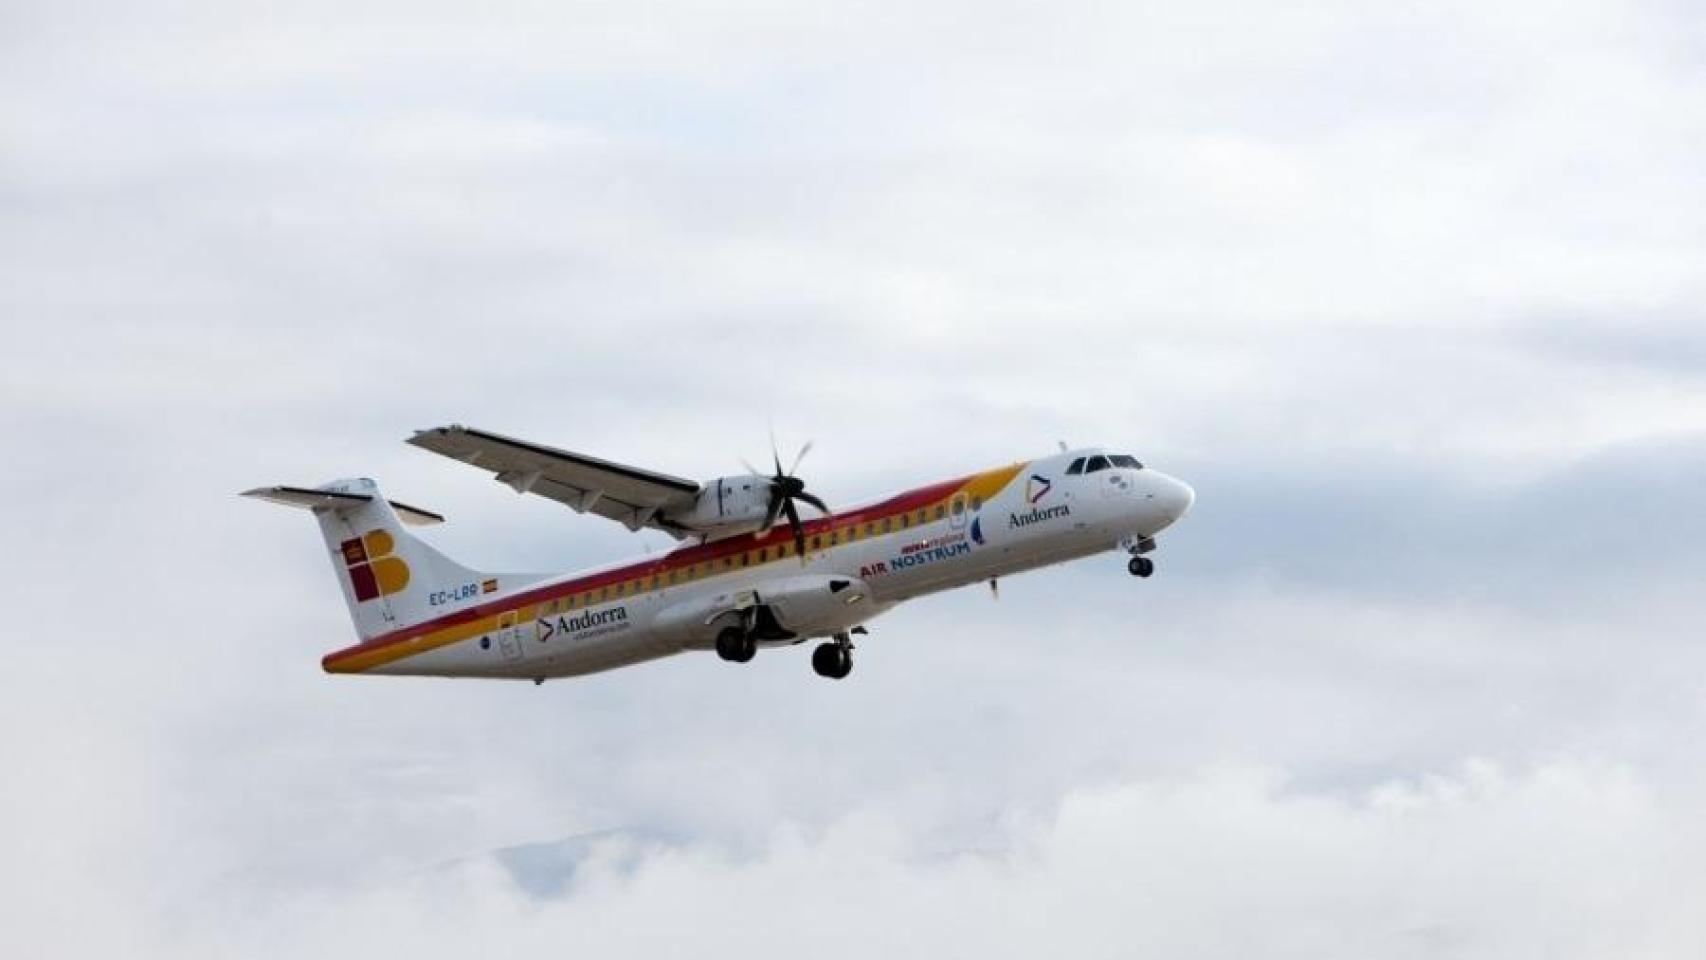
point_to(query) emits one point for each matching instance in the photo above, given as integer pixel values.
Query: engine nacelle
(727, 506)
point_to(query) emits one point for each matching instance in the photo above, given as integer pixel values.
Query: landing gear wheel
(1140, 566)
(735, 646)
(832, 660)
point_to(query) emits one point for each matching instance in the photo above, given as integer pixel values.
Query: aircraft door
(957, 514)
(509, 638)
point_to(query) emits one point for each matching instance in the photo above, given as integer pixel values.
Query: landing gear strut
(1139, 565)
(835, 658)
(736, 645)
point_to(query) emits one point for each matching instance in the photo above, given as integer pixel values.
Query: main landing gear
(1139, 565)
(736, 645)
(835, 658)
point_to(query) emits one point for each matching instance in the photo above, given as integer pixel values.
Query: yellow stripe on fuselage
(977, 489)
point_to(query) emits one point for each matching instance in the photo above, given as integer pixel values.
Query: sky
(1409, 293)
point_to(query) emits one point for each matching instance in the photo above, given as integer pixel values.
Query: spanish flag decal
(489, 586)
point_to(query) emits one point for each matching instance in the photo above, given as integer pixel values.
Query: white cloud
(1581, 860)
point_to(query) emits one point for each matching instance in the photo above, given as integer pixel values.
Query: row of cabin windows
(1099, 462)
(762, 555)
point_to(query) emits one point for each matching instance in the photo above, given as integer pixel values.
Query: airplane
(749, 574)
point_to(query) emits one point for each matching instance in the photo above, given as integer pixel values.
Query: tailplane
(391, 579)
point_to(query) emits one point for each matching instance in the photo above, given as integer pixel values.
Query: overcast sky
(1410, 295)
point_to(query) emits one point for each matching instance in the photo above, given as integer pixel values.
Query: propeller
(785, 489)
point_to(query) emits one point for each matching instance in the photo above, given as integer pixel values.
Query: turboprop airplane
(742, 579)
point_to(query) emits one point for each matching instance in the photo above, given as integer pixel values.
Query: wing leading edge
(631, 496)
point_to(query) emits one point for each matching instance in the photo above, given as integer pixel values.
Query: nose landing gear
(1139, 565)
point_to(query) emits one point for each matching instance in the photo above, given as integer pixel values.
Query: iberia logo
(1037, 487)
(373, 571)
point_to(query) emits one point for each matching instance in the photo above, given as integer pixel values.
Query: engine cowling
(727, 506)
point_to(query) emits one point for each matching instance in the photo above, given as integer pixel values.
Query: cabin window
(905, 520)
(941, 511)
(976, 503)
(745, 559)
(816, 542)
(959, 506)
(888, 524)
(655, 580)
(1096, 463)
(1077, 467)
(764, 555)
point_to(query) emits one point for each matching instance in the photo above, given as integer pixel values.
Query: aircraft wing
(631, 496)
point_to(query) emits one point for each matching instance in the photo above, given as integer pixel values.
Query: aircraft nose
(1173, 497)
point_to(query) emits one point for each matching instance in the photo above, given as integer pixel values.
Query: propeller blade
(750, 468)
(777, 501)
(794, 522)
(803, 451)
(814, 501)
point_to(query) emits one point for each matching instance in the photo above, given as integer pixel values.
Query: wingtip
(440, 431)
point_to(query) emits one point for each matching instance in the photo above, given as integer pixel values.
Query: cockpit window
(1096, 463)
(1077, 466)
(1126, 460)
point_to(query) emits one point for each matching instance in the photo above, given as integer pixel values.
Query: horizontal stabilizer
(311, 499)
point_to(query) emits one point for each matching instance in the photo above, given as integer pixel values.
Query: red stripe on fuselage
(681, 557)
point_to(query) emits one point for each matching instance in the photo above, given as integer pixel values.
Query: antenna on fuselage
(1063, 447)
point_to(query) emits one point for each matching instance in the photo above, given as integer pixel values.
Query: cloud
(1475, 863)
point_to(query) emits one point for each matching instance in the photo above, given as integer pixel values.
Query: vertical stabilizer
(390, 578)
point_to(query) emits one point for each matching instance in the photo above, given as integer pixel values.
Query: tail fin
(391, 579)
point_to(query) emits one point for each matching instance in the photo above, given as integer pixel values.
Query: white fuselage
(858, 564)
